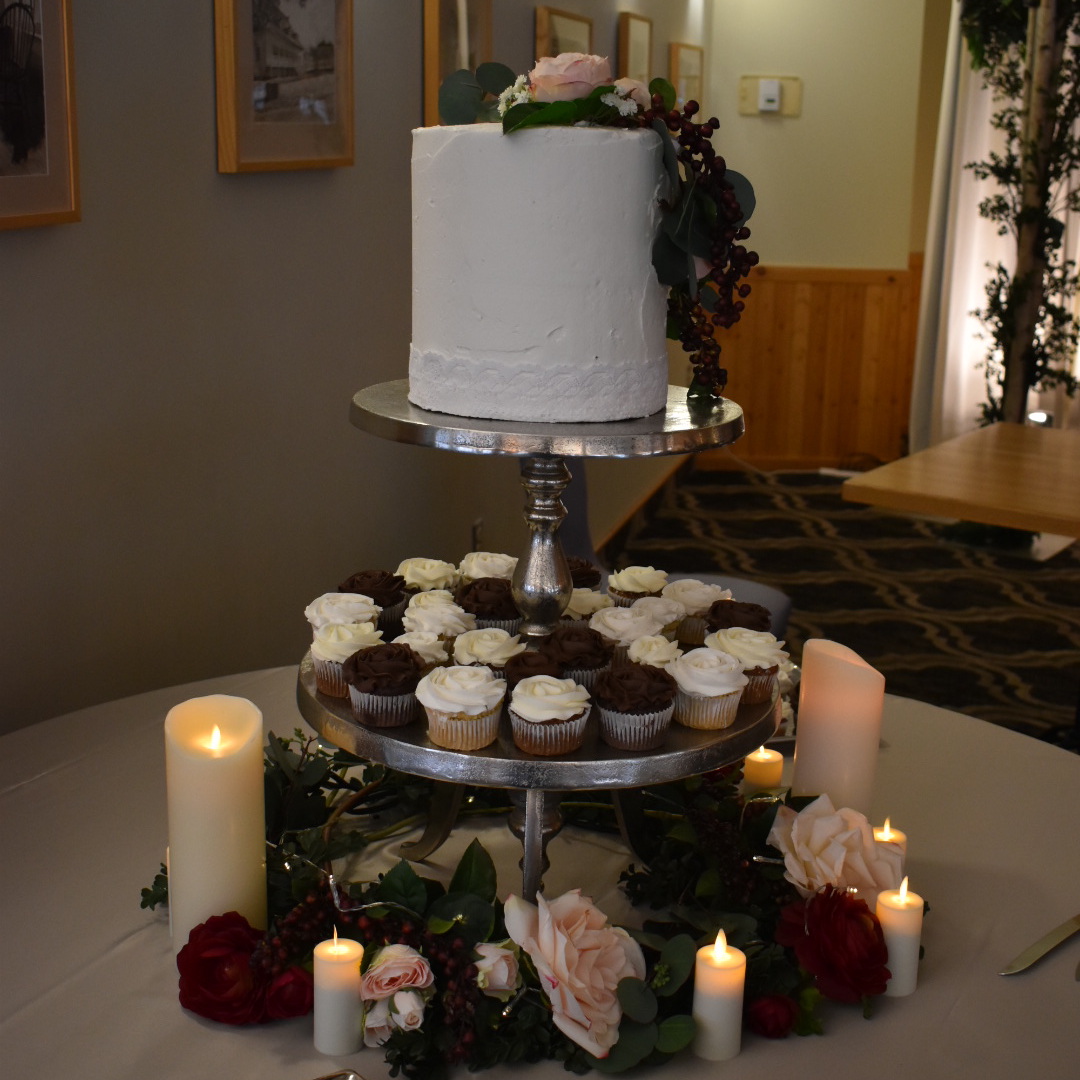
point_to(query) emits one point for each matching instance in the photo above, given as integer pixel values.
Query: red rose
(216, 980)
(772, 1016)
(291, 994)
(838, 940)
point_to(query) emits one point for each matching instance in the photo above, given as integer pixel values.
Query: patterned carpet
(978, 631)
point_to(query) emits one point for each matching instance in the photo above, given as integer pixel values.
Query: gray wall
(179, 476)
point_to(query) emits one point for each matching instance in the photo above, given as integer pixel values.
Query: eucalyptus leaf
(402, 886)
(516, 115)
(460, 98)
(471, 918)
(284, 759)
(744, 192)
(669, 260)
(315, 771)
(540, 114)
(636, 1043)
(637, 1000)
(665, 90)
(667, 144)
(494, 78)
(475, 873)
(675, 1034)
(678, 956)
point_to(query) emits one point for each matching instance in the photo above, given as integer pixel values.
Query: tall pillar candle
(719, 981)
(217, 829)
(338, 1009)
(838, 730)
(901, 915)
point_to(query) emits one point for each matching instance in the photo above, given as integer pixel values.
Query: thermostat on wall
(777, 94)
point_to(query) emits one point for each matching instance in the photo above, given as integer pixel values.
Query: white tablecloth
(88, 982)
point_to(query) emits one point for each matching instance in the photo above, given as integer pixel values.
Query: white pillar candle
(763, 770)
(838, 730)
(901, 914)
(338, 1009)
(217, 830)
(719, 978)
(886, 834)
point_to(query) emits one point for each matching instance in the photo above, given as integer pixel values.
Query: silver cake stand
(541, 589)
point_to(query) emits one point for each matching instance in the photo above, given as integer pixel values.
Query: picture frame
(39, 166)
(562, 31)
(447, 49)
(687, 63)
(634, 53)
(284, 84)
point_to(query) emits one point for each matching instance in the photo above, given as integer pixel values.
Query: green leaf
(671, 160)
(402, 886)
(470, 917)
(675, 1034)
(516, 115)
(669, 262)
(475, 873)
(665, 90)
(281, 757)
(678, 956)
(636, 1042)
(541, 113)
(460, 98)
(637, 1000)
(494, 78)
(744, 192)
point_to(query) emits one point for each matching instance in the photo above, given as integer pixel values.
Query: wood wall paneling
(821, 363)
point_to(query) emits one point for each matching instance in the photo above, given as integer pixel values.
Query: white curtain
(948, 382)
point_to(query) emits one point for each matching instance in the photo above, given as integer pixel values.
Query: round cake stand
(686, 752)
(541, 583)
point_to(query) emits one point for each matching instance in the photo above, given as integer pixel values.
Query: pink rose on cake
(569, 76)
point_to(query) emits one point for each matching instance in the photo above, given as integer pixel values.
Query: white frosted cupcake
(626, 586)
(760, 655)
(463, 706)
(341, 607)
(490, 646)
(548, 715)
(654, 650)
(481, 564)
(422, 575)
(697, 597)
(431, 649)
(710, 686)
(584, 603)
(436, 613)
(622, 626)
(332, 645)
(669, 613)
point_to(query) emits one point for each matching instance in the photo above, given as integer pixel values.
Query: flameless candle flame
(903, 889)
(215, 739)
(886, 831)
(720, 949)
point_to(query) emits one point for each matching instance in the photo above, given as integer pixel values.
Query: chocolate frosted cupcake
(580, 651)
(725, 614)
(548, 716)
(636, 704)
(331, 646)
(529, 663)
(382, 684)
(583, 575)
(697, 597)
(385, 589)
(491, 601)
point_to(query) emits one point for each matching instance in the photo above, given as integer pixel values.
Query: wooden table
(1012, 475)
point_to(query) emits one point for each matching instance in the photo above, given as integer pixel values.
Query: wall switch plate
(755, 92)
(768, 95)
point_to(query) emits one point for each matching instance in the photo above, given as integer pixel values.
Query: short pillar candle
(886, 834)
(339, 1012)
(719, 979)
(763, 770)
(900, 913)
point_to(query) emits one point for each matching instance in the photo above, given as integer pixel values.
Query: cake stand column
(542, 584)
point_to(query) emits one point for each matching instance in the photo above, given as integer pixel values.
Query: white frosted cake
(534, 296)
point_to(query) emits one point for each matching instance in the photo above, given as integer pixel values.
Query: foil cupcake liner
(460, 731)
(383, 710)
(635, 731)
(330, 678)
(550, 738)
(706, 713)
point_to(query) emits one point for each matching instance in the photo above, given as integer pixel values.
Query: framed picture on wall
(284, 84)
(687, 71)
(635, 48)
(561, 31)
(457, 34)
(39, 176)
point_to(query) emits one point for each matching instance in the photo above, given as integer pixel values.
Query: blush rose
(401, 1011)
(497, 972)
(216, 978)
(394, 968)
(569, 76)
(580, 960)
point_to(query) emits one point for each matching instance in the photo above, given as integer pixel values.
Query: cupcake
(626, 586)
(481, 564)
(422, 575)
(332, 645)
(382, 683)
(697, 597)
(580, 651)
(341, 607)
(654, 649)
(583, 575)
(710, 685)
(622, 626)
(727, 613)
(490, 646)
(635, 705)
(463, 706)
(548, 716)
(760, 655)
(431, 649)
(491, 601)
(584, 603)
(530, 662)
(669, 613)
(436, 613)
(385, 589)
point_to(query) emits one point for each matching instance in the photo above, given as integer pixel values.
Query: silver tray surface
(385, 410)
(502, 765)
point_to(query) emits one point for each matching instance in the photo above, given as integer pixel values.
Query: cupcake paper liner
(330, 678)
(760, 686)
(692, 631)
(635, 731)
(511, 626)
(384, 710)
(706, 713)
(460, 731)
(549, 739)
(585, 676)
